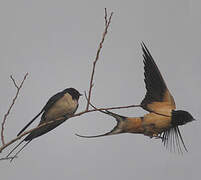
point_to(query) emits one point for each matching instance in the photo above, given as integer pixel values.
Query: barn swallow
(163, 120)
(61, 105)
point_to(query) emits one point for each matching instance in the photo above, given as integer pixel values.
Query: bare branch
(103, 109)
(106, 17)
(110, 108)
(107, 23)
(58, 119)
(11, 106)
(15, 84)
(87, 110)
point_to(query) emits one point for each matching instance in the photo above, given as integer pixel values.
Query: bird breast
(64, 106)
(155, 124)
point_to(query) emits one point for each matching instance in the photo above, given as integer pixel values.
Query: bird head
(73, 92)
(181, 117)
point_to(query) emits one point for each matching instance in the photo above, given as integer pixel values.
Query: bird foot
(156, 136)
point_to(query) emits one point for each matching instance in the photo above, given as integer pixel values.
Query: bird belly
(133, 125)
(154, 124)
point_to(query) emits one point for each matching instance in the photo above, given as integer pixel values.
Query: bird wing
(48, 105)
(158, 98)
(53, 100)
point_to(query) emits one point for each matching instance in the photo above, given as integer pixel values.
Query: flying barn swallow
(163, 120)
(61, 105)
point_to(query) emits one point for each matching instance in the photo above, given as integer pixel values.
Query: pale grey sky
(56, 42)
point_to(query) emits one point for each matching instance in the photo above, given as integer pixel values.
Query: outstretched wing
(158, 98)
(48, 105)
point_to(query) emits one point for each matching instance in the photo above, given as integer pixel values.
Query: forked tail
(116, 130)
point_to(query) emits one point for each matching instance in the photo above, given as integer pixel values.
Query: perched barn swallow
(163, 120)
(61, 105)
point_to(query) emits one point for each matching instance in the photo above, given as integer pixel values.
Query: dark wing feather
(44, 129)
(48, 105)
(155, 84)
(25, 127)
(53, 100)
(157, 90)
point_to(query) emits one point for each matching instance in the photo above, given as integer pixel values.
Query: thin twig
(11, 106)
(105, 17)
(85, 94)
(107, 23)
(105, 109)
(110, 108)
(14, 82)
(8, 158)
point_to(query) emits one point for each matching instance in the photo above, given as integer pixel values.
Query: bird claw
(156, 136)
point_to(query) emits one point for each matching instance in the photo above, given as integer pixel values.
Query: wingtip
(19, 133)
(144, 48)
(142, 44)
